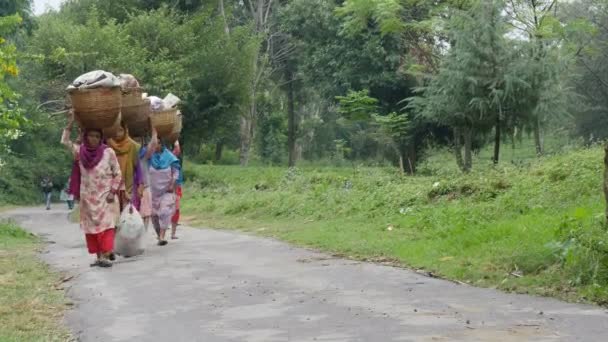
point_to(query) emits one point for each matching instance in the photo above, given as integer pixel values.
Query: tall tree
(537, 21)
(259, 12)
(474, 84)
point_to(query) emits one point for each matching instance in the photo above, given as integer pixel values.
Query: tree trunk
(219, 149)
(412, 158)
(497, 141)
(513, 137)
(468, 144)
(401, 163)
(223, 14)
(606, 178)
(538, 140)
(458, 148)
(291, 120)
(245, 138)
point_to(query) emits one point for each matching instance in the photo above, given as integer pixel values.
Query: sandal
(95, 264)
(163, 242)
(112, 256)
(105, 263)
(174, 238)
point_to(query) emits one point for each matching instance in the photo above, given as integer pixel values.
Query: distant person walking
(47, 189)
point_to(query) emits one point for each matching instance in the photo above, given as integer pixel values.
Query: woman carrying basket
(96, 180)
(165, 172)
(127, 153)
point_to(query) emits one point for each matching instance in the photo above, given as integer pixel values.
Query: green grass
(31, 298)
(535, 227)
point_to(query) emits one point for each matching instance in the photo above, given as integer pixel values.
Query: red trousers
(178, 196)
(101, 242)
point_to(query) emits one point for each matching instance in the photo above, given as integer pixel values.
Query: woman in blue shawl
(164, 176)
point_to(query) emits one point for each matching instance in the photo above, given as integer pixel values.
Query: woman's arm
(152, 145)
(177, 150)
(65, 137)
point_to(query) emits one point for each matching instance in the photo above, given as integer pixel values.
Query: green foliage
(357, 105)
(478, 228)
(385, 13)
(11, 117)
(272, 140)
(397, 127)
(585, 39)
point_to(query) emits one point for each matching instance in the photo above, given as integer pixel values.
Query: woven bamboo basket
(177, 128)
(139, 129)
(137, 112)
(164, 122)
(96, 108)
(131, 96)
(110, 132)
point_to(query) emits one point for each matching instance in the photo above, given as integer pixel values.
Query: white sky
(40, 6)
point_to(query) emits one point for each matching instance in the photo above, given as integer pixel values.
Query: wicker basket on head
(131, 96)
(177, 128)
(164, 122)
(110, 132)
(139, 129)
(136, 115)
(96, 108)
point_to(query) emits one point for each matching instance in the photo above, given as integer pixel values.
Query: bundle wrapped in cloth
(156, 104)
(95, 79)
(128, 81)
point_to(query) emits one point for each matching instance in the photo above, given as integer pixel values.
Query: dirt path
(221, 286)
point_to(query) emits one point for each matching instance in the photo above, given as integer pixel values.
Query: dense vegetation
(478, 119)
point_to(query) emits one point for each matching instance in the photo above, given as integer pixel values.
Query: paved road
(214, 286)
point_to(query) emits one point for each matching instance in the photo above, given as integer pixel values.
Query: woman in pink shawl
(96, 180)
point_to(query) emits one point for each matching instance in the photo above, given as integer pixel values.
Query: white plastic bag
(171, 101)
(129, 240)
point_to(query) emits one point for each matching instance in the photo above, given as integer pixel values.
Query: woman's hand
(140, 191)
(110, 198)
(171, 188)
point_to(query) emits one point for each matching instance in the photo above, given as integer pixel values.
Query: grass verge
(31, 303)
(535, 228)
